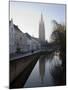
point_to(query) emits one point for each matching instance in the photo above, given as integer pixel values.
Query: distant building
(41, 29)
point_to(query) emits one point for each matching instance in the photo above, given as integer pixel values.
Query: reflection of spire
(42, 68)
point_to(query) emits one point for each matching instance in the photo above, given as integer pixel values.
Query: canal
(45, 69)
(46, 72)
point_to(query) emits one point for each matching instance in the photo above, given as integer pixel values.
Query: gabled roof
(27, 35)
(15, 26)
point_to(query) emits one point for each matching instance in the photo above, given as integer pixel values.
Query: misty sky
(27, 16)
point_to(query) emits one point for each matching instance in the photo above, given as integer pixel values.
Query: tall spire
(41, 17)
(41, 29)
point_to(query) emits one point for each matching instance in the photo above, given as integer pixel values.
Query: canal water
(47, 72)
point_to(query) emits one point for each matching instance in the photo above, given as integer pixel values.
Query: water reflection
(42, 68)
(46, 71)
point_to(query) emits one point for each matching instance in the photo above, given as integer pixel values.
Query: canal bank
(20, 70)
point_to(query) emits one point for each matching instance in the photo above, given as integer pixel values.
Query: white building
(19, 41)
(12, 46)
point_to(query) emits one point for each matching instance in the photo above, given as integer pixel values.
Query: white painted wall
(12, 46)
(18, 40)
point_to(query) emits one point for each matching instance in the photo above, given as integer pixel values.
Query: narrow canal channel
(47, 72)
(44, 70)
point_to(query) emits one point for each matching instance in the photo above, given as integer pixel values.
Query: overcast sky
(27, 16)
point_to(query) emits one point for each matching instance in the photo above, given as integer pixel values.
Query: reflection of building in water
(42, 68)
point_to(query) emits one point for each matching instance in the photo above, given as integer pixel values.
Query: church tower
(41, 29)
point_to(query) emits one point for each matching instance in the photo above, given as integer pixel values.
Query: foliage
(59, 35)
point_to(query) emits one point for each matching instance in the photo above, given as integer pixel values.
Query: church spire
(41, 17)
(41, 29)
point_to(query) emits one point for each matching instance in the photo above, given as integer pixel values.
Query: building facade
(12, 46)
(20, 42)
